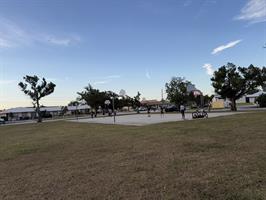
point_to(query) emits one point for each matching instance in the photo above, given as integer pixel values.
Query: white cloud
(52, 79)
(226, 46)
(60, 41)
(113, 76)
(105, 79)
(5, 43)
(209, 69)
(12, 35)
(101, 82)
(7, 82)
(148, 75)
(254, 11)
(110, 77)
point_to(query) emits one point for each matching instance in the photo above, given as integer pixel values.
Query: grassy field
(219, 158)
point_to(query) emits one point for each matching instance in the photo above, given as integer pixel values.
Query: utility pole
(114, 107)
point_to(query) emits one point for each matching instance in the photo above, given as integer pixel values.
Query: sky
(135, 45)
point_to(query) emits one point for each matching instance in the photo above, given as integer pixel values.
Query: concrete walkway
(143, 119)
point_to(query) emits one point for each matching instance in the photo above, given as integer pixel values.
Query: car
(141, 109)
(2, 121)
(171, 108)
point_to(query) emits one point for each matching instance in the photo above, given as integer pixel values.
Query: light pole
(77, 111)
(114, 107)
(107, 103)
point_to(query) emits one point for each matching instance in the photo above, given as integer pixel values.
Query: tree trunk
(233, 105)
(38, 111)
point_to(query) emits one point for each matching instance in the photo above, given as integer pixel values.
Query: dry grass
(219, 158)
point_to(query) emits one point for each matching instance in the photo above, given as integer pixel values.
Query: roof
(18, 110)
(150, 102)
(257, 94)
(79, 107)
(51, 109)
(30, 109)
(48, 109)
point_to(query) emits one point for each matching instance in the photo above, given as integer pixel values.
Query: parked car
(24, 118)
(2, 121)
(142, 109)
(171, 108)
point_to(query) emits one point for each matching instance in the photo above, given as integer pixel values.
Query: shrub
(262, 100)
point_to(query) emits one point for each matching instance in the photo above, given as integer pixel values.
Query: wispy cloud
(226, 46)
(254, 11)
(147, 74)
(60, 41)
(13, 35)
(113, 76)
(101, 82)
(7, 82)
(209, 69)
(52, 79)
(106, 79)
(5, 43)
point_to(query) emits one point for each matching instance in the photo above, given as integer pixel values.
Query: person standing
(162, 111)
(210, 106)
(182, 110)
(92, 112)
(149, 111)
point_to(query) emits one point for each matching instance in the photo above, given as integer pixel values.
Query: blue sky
(135, 45)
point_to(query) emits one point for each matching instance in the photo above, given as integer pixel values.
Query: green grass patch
(217, 158)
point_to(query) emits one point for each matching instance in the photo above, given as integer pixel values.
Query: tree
(261, 100)
(73, 103)
(177, 90)
(263, 79)
(233, 82)
(207, 99)
(94, 97)
(136, 100)
(36, 91)
(193, 99)
(64, 110)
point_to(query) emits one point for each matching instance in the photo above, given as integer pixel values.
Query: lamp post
(76, 111)
(108, 102)
(113, 100)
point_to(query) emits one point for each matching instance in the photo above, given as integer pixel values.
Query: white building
(25, 113)
(252, 97)
(82, 109)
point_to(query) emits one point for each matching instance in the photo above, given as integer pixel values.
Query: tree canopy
(176, 90)
(36, 90)
(94, 97)
(233, 82)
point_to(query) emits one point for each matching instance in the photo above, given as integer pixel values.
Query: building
(251, 98)
(219, 102)
(192, 88)
(26, 113)
(81, 109)
(152, 102)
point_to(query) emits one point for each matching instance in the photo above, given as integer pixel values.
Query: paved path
(143, 119)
